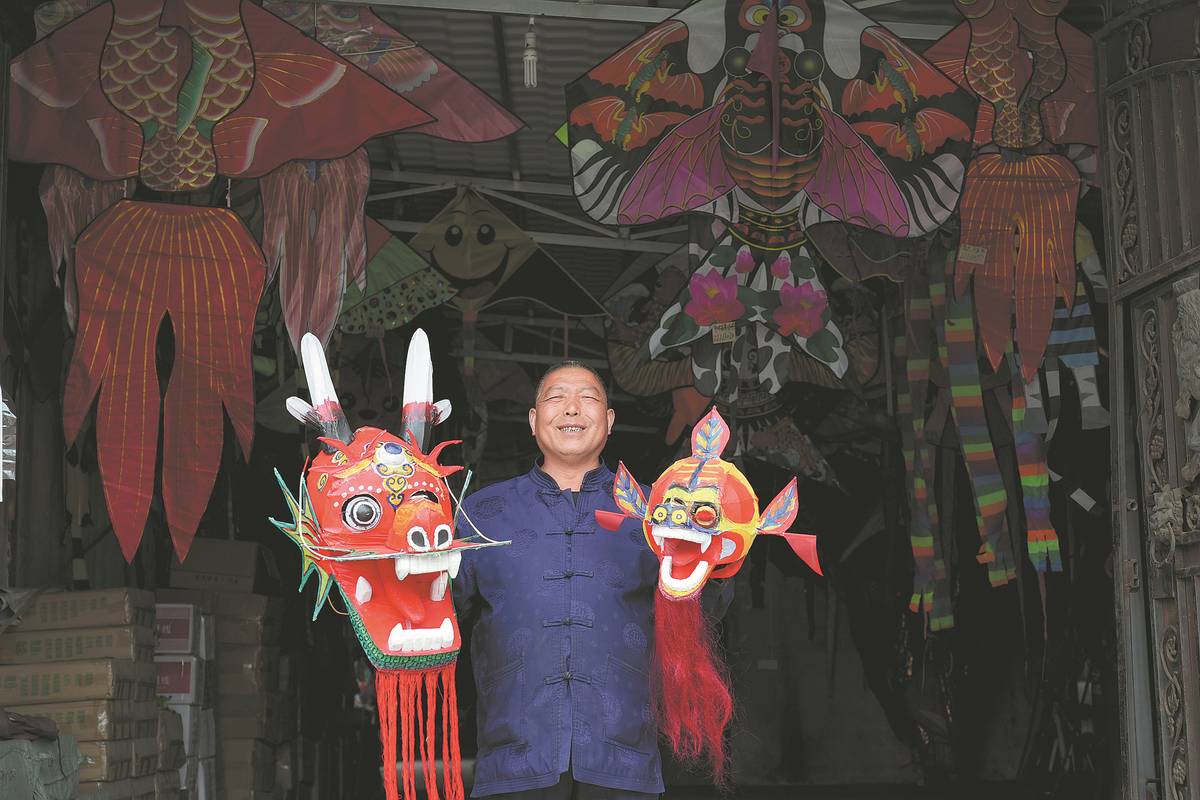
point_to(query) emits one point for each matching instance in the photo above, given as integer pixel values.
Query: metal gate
(1148, 70)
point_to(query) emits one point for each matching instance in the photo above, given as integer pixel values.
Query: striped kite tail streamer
(398, 693)
(1035, 480)
(930, 591)
(959, 356)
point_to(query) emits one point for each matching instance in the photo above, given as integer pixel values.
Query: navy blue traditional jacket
(561, 640)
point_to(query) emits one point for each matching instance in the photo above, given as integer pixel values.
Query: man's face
(571, 419)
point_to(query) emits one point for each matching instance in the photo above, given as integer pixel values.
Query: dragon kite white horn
(325, 414)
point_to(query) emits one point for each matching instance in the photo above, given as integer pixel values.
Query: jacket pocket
(502, 701)
(626, 699)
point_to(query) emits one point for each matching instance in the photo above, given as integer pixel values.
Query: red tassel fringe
(398, 693)
(691, 684)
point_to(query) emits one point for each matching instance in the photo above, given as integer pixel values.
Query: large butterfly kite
(773, 116)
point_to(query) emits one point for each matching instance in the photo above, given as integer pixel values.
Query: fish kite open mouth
(702, 515)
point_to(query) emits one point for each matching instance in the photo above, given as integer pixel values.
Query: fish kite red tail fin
(610, 520)
(805, 546)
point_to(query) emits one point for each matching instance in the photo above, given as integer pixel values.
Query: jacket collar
(592, 481)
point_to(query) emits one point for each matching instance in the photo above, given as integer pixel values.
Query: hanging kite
(488, 259)
(700, 520)
(373, 517)
(189, 89)
(1037, 120)
(175, 93)
(399, 286)
(1034, 76)
(461, 112)
(172, 249)
(828, 117)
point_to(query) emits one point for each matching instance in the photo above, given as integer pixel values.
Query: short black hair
(570, 363)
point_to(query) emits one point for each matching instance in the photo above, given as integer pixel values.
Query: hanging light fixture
(530, 57)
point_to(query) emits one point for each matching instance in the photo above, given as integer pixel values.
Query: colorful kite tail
(1035, 480)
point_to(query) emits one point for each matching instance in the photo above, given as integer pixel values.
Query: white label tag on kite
(724, 332)
(972, 254)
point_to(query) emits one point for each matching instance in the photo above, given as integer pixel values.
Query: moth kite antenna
(325, 415)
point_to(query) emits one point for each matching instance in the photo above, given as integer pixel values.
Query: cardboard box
(105, 608)
(87, 720)
(68, 681)
(285, 777)
(242, 617)
(188, 774)
(180, 678)
(199, 730)
(178, 628)
(145, 756)
(166, 785)
(206, 779)
(40, 769)
(107, 760)
(249, 765)
(172, 752)
(208, 637)
(225, 564)
(247, 669)
(145, 719)
(143, 788)
(130, 642)
(247, 717)
(112, 790)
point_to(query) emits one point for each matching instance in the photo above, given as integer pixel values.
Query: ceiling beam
(526, 187)
(606, 12)
(564, 239)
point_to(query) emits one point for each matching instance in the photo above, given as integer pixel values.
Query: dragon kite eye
(442, 537)
(362, 512)
(678, 516)
(418, 539)
(704, 515)
(660, 514)
(757, 15)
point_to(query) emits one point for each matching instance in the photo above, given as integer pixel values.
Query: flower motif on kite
(714, 298)
(782, 104)
(702, 515)
(801, 309)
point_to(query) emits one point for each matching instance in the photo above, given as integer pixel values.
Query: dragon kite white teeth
(374, 518)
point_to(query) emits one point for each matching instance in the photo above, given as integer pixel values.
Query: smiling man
(561, 618)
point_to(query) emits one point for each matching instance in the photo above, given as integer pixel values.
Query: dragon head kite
(374, 518)
(700, 520)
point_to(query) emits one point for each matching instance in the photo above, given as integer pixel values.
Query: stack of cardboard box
(85, 660)
(253, 715)
(183, 658)
(172, 756)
